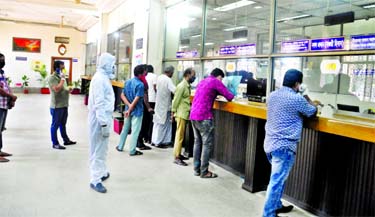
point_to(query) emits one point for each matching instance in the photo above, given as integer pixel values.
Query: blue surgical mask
(192, 79)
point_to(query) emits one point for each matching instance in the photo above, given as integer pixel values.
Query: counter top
(337, 124)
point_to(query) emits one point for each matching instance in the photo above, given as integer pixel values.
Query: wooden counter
(338, 125)
(334, 171)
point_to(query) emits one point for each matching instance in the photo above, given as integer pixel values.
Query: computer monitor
(256, 87)
(350, 108)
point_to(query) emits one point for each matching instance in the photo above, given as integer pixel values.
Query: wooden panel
(230, 141)
(333, 175)
(257, 167)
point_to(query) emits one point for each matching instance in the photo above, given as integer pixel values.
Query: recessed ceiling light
(236, 40)
(294, 18)
(258, 7)
(234, 5)
(214, 18)
(235, 28)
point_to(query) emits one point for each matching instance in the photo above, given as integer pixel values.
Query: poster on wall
(26, 45)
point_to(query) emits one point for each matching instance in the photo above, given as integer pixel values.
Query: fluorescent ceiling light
(368, 6)
(294, 18)
(235, 28)
(236, 40)
(214, 18)
(234, 5)
(258, 7)
(207, 44)
(183, 47)
(196, 36)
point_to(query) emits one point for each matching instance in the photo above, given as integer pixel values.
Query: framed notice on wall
(27, 45)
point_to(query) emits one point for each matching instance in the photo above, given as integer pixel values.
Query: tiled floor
(41, 181)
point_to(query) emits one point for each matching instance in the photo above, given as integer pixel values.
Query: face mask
(302, 88)
(112, 74)
(192, 79)
(143, 79)
(2, 64)
(58, 71)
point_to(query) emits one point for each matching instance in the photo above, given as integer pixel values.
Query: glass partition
(237, 28)
(297, 20)
(183, 29)
(344, 84)
(91, 56)
(179, 68)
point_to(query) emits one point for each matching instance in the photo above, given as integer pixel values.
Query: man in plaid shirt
(7, 100)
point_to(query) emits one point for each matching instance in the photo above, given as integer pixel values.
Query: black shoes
(99, 188)
(143, 147)
(162, 146)
(180, 162)
(105, 177)
(136, 153)
(58, 147)
(284, 209)
(118, 149)
(183, 157)
(70, 143)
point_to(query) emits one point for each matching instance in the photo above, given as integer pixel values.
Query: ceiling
(76, 14)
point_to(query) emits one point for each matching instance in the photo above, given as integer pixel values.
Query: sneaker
(3, 160)
(58, 147)
(284, 209)
(180, 162)
(105, 177)
(99, 188)
(70, 143)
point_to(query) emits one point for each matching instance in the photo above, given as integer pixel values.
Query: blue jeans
(282, 161)
(59, 119)
(136, 123)
(203, 141)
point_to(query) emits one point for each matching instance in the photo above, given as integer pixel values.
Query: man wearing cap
(285, 110)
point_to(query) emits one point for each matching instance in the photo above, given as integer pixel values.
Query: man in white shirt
(151, 79)
(162, 130)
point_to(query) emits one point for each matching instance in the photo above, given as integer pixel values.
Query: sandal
(136, 153)
(209, 175)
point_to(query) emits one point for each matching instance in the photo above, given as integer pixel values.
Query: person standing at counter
(285, 111)
(162, 130)
(132, 96)
(181, 112)
(202, 120)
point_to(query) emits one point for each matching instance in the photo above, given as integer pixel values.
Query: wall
(15, 69)
(148, 25)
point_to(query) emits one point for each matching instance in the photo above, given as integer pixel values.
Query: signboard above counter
(238, 50)
(356, 42)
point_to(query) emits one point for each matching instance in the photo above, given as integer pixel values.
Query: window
(184, 28)
(120, 45)
(237, 29)
(91, 56)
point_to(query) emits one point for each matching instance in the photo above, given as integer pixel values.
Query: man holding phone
(59, 105)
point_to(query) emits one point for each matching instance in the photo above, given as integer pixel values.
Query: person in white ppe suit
(101, 106)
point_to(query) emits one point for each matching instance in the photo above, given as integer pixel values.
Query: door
(68, 66)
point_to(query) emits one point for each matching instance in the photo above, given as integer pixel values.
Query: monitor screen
(256, 87)
(350, 108)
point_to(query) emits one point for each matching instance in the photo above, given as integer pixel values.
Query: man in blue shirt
(285, 110)
(132, 96)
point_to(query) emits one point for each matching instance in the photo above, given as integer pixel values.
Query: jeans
(3, 117)
(203, 142)
(135, 123)
(282, 161)
(59, 119)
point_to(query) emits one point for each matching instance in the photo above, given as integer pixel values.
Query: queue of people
(153, 103)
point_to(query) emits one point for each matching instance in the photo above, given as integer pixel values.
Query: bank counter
(334, 172)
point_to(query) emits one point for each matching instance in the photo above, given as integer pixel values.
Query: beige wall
(16, 69)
